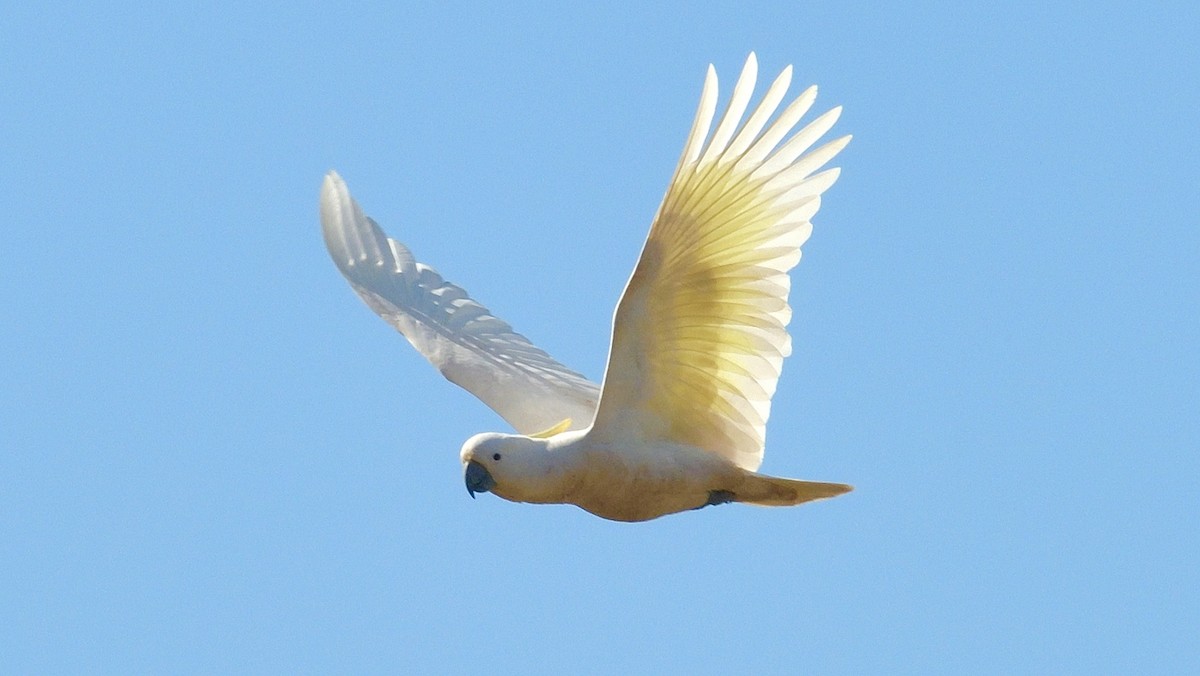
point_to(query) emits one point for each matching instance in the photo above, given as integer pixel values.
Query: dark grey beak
(478, 479)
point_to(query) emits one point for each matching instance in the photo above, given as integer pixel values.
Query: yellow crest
(556, 429)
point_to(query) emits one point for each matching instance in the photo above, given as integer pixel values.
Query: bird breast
(647, 481)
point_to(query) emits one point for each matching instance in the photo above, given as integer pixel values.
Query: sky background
(214, 458)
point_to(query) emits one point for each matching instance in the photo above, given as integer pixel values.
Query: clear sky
(215, 458)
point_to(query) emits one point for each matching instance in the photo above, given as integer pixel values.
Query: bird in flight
(698, 338)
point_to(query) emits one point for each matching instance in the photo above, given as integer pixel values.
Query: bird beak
(478, 479)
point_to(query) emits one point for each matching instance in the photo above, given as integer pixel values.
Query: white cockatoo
(699, 335)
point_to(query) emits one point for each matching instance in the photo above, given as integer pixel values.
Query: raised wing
(700, 333)
(470, 346)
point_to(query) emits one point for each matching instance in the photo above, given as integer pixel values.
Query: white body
(626, 478)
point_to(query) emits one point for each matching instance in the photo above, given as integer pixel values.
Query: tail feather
(769, 491)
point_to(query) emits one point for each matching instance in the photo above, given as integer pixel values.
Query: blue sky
(214, 458)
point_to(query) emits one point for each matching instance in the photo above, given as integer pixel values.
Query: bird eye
(495, 456)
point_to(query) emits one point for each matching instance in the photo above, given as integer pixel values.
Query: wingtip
(332, 186)
(337, 209)
(749, 71)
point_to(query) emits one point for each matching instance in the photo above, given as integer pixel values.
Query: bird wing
(461, 338)
(699, 335)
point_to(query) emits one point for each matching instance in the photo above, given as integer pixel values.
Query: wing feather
(700, 334)
(461, 338)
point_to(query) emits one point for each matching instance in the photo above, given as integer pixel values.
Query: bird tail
(769, 491)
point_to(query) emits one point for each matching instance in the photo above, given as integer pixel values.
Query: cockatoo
(698, 339)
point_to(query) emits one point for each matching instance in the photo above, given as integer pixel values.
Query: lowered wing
(461, 338)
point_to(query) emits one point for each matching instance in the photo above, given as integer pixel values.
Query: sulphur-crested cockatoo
(698, 338)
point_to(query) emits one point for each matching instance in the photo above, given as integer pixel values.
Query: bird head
(512, 466)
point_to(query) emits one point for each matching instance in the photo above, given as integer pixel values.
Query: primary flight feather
(699, 335)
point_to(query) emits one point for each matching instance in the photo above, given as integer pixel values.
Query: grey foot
(719, 498)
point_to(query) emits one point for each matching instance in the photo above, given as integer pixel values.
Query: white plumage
(699, 335)
(466, 343)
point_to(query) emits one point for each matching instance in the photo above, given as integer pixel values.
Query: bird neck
(552, 471)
